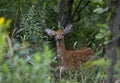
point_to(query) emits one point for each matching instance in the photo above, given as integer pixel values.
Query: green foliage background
(25, 57)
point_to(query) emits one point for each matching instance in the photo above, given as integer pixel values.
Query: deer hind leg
(77, 69)
(59, 72)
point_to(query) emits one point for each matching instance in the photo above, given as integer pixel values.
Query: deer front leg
(60, 68)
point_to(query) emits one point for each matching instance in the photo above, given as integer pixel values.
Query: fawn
(68, 58)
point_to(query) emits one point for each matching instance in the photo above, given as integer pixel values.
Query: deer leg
(78, 66)
(60, 73)
(57, 72)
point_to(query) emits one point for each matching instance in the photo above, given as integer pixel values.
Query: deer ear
(49, 31)
(68, 28)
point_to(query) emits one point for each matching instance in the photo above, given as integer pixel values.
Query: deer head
(59, 34)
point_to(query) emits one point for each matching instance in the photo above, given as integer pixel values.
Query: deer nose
(59, 39)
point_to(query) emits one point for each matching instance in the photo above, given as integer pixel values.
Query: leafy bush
(31, 27)
(35, 68)
(18, 69)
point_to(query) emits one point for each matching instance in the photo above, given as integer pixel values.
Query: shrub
(18, 69)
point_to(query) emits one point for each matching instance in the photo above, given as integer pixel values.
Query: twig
(81, 11)
(10, 46)
(76, 9)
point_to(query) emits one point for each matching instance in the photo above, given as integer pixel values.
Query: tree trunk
(69, 12)
(62, 12)
(66, 14)
(114, 25)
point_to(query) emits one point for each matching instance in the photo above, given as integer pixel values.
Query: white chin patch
(59, 42)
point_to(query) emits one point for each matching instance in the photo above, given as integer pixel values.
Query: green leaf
(97, 1)
(102, 25)
(106, 42)
(37, 57)
(99, 36)
(99, 62)
(100, 10)
(5, 68)
(102, 31)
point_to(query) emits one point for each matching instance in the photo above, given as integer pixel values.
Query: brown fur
(68, 58)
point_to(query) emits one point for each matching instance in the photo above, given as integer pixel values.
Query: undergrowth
(27, 58)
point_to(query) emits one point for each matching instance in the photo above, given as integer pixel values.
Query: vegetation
(28, 55)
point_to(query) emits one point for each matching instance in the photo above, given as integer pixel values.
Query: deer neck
(61, 48)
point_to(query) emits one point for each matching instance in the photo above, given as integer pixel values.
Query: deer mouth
(59, 41)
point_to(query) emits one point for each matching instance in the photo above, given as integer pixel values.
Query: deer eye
(55, 34)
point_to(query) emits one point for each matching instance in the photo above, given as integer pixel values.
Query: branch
(76, 9)
(81, 11)
(69, 12)
(10, 46)
(83, 7)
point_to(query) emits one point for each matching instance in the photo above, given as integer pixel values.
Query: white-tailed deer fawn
(68, 58)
